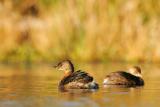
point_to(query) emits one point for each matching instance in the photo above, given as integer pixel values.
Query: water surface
(36, 86)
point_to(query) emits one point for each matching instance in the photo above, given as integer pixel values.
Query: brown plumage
(131, 78)
(75, 80)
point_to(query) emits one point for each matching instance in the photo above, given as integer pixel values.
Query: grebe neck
(67, 73)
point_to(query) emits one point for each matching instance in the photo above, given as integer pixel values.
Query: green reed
(91, 30)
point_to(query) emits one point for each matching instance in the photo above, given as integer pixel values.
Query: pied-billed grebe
(74, 80)
(131, 78)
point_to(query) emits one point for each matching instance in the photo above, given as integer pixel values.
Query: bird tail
(93, 85)
(106, 81)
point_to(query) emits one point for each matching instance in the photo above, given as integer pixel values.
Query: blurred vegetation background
(82, 30)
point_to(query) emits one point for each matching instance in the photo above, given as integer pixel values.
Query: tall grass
(84, 30)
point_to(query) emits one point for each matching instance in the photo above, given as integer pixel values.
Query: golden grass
(91, 30)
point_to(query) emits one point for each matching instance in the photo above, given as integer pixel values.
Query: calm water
(36, 86)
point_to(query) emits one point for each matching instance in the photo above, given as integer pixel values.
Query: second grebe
(131, 78)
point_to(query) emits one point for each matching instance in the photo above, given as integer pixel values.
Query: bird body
(131, 78)
(75, 80)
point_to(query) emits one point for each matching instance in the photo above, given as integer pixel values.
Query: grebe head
(65, 66)
(135, 71)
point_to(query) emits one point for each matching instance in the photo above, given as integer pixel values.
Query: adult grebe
(131, 78)
(74, 80)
